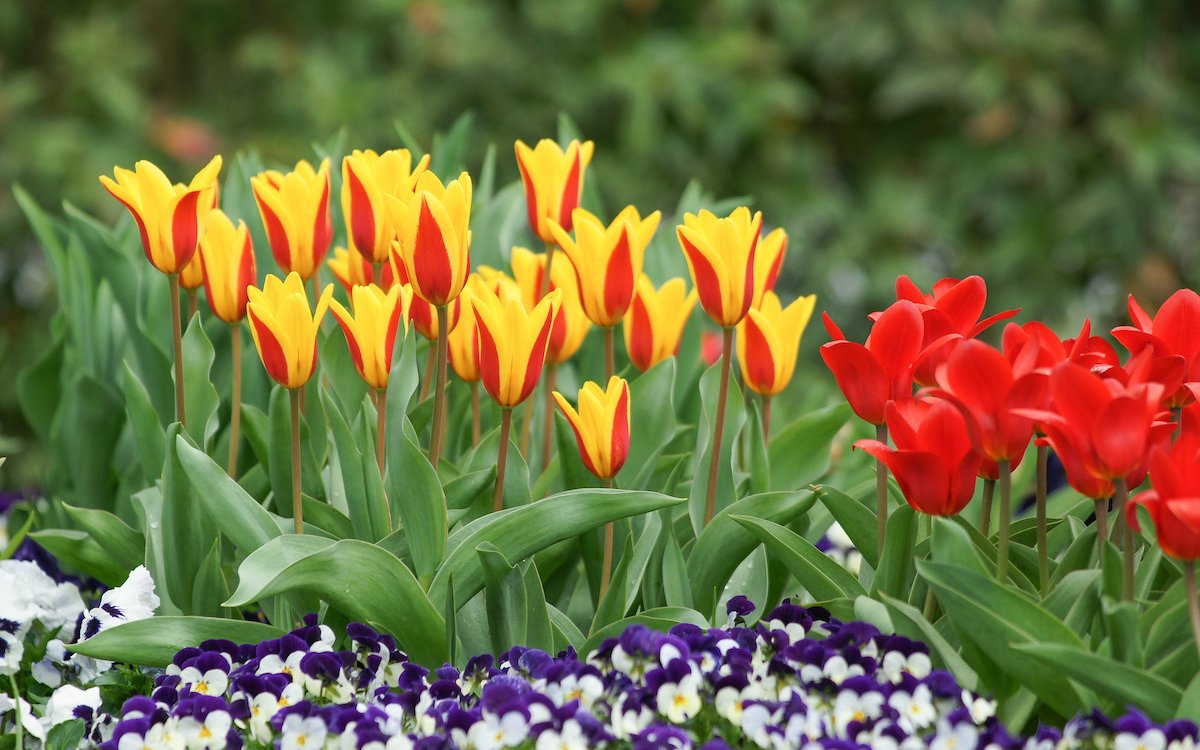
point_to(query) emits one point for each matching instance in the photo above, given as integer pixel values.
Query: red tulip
(1174, 503)
(1174, 330)
(934, 460)
(1101, 429)
(881, 371)
(992, 393)
(1086, 349)
(951, 310)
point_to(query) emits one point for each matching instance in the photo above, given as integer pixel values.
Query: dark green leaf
(155, 641)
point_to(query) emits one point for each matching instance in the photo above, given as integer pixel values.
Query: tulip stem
(380, 396)
(544, 286)
(985, 507)
(714, 457)
(1101, 527)
(548, 415)
(235, 409)
(527, 427)
(881, 493)
(609, 358)
(766, 419)
(1177, 417)
(427, 380)
(502, 458)
(377, 274)
(439, 394)
(297, 507)
(1189, 577)
(1125, 540)
(177, 333)
(606, 561)
(1043, 460)
(192, 306)
(1005, 483)
(475, 414)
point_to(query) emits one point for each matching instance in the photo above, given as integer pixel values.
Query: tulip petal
(574, 420)
(639, 341)
(537, 355)
(120, 194)
(758, 362)
(895, 342)
(620, 432)
(362, 212)
(488, 356)
(273, 358)
(185, 229)
(570, 193)
(859, 376)
(277, 235)
(708, 284)
(618, 278)
(431, 258)
(1120, 434)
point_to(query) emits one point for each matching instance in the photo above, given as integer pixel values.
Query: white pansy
(916, 709)
(211, 682)
(958, 737)
(290, 665)
(12, 649)
(30, 594)
(981, 709)
(680, 701)
(48, 671)
(133, 600)
(1151, 739)
(570, 738)
(63, 702)
(300, 733)
(209, 733)
(494, 732)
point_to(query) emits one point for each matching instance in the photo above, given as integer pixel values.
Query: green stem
(1189, 576)
(1125, 541)
(881, 494)
(766, 419)
(439, 393)
(609, 356)
(20, 730)
(1101, 527)
(475, 414)
(548, 414)
(430, 363)
(714, 463)
(1043, 460)
(381, 445)
(235, 413)
(297, 507)
(985, 507)
(502, 458)
(606, 561)
(1005, 482)
(177, 336)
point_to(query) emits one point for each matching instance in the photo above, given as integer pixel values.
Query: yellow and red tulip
(601, 425)
(295, 212)
(351, 269)
(169, 216)
(512, 343)
(768, 261)
(720, 254)
(285, 328)
(607, 259)
(655, 321)
(768, 341)
(434, 238)
(553, 180)
(371, 329)
(227, 256)
(462, 336)
(421, 314)
(366, 178)
(571, 324)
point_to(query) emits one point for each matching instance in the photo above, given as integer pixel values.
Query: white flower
(209, 734)
(626, 723)
(495, 732)
(680, 701)
(32, 726)
(299, 733)
(63, 702)
(570, 738)
(272, 664)
(895, 665)
(981, 709)
(1153, 739)
(729, 704)
(262, 709)
(212, 682)
(133, 600)
(47, 670)
(30, 594)
(916, 710)
(755, 720)
(151, 740)
(850, 707)
(958, 737)
(586, 689)
(12, 648)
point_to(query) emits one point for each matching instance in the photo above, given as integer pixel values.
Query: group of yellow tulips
(407, 260)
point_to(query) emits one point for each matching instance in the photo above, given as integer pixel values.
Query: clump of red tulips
(957, 408)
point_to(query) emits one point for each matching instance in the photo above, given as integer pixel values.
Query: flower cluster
(797, 678)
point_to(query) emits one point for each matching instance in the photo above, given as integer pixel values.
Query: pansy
(133, 600)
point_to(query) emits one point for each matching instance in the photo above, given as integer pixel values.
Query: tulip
(1103, 431)
(934, 460)
(351, 269)
(295, 211)
(371, 335)
(720, 257)
(1174, 503)
(285, 332)
(227, 257)
(191, 278)
(461, 345)
(366, 178)
(767, 344)
(601, 427)
(993, 395)
(553, 180)
(570, 328)
(608, 260)
(872, 375)
(1173, 331)
(950, 312)
(169, 218)
(423, 317)
(434, 244)
(768, 262)
(655, 321)
(511, 349)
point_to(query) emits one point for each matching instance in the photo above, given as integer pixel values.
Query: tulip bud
(371, 330)
(570, 324)
(285, 328)
(295, 212)
(601, 425)
(511, 344)
(434, 238)
(228, 263)
(553, 180)
(720, 254)
(768, 341)
(655, 321)
(366, 178)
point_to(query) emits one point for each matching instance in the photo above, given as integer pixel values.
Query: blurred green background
(1053, 147)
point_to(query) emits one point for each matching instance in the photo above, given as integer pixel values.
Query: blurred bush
(1049, 145)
